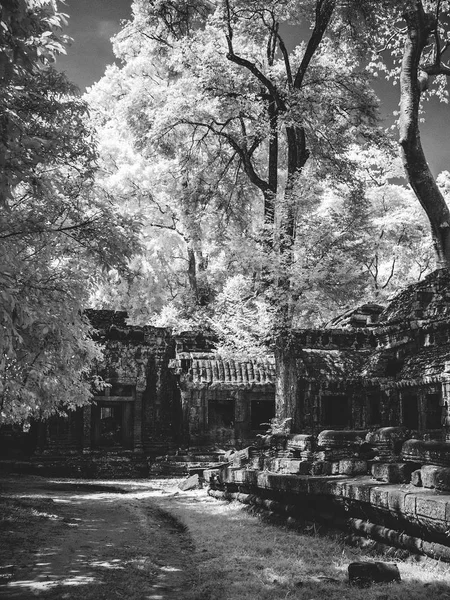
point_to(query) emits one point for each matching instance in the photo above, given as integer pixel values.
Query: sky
(92, 23)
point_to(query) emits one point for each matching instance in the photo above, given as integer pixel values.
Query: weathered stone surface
(427, 452)
(396, 501)
(438, 551)
(387, 440)
(321, 467)
(364, 574)
(352, 467)
(431, 507)
(355, 490)
(241, 457)
(379, 497)
(435, 477)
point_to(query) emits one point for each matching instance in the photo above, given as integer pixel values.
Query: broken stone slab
(364, 574)
(243, 457)
(191, 483)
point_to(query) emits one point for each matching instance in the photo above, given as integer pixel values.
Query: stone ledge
(410, 508)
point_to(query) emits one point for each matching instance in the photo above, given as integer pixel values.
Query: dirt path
(92, 542)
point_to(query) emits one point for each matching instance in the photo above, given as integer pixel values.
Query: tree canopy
(252, 147)
(56, 226)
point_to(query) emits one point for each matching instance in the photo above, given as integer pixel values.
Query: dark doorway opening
(374, 417)
(112, 425)
(410, 411)
(221, 413)
(433, 416)
(261, 412)
(335, 412)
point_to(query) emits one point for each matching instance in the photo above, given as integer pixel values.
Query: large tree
(234, 98)
(56, 227)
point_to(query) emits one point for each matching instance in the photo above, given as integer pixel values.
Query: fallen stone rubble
(398, 499)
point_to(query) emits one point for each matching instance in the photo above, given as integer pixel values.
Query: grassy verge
(242, 558)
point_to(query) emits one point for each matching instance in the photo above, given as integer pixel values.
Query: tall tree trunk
(286, 353)
(412, 83)
(287, 406)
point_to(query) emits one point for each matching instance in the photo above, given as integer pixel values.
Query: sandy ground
(94, 540)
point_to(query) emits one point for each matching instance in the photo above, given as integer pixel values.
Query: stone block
(364, 574)
(447, 510)
(335, 467)
(428, 476)
(320, 486)
(241, 457)
(280, 482)
(263, 479)
(320, 467)
(293, 466)
(416, 478)
(379, 497)
(409, 506)
(239, 476)
(435, 477)
(257, 462)
(301, 442)
(226, 475)
(431, 508)
(357, 491)
(304, 467)
(247, 476)
(352, 466)
(392, 472)
(396, 501)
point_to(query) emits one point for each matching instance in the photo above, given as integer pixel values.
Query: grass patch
(242, 558)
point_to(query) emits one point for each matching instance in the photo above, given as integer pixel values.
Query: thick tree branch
(324, 12)
(419, 27)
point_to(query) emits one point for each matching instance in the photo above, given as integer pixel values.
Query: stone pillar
(86, 442)
(241, 415)
(137, 426)
(445, 403)
(185, 416)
